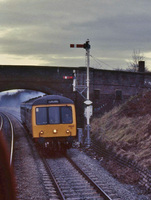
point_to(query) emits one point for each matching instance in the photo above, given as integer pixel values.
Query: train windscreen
(41, 115)
(54, 115)
(66, 114)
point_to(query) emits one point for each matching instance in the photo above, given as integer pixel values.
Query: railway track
(8, 133)
(64, 178)
(7, 178)
(71, 181)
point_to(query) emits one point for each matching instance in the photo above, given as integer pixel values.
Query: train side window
(41, 116)
(54, 115)
(66, 114)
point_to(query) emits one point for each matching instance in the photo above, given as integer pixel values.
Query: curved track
(1, 120)
(70, 181)
(10, 134)
(7, 178)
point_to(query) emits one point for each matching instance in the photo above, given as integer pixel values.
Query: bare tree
(136, 57)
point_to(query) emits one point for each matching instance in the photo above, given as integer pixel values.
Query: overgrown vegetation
(127, 129)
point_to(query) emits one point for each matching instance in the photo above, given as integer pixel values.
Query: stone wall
(109, 88)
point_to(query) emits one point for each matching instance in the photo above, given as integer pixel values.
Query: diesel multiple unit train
(51, 120)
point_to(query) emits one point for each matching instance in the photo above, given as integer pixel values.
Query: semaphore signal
(85, 45)
(88, 103)
(68, 77)
(76, 45)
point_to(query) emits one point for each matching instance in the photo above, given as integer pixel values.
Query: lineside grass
(127, 129)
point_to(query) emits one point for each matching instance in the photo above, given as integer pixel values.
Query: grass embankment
(127, 129)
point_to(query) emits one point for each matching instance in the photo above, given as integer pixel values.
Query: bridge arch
(26, 86)
(48, 80)
(103, 83)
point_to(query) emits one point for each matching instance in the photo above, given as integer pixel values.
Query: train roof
(49, 99)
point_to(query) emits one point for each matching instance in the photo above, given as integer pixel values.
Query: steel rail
(60, 194)
(53, 178)
(102, 193)
(12, 138)
(97, 187)
(2, 122)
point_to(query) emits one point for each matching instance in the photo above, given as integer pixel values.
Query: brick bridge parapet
(107, 87)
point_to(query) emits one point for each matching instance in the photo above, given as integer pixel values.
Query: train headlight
(55, 131)
(41, 133)
(68, 131)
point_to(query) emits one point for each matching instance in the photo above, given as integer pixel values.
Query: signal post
(88, 103)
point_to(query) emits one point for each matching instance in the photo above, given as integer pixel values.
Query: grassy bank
(127, 129)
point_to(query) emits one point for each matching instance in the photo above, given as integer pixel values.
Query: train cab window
(54, 115)
(66, 114)
(41, 116)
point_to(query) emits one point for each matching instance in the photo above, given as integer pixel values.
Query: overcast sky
(39, 32)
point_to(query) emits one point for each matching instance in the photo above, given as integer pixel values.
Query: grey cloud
(46, 28)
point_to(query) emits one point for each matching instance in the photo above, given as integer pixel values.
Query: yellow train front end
(54, 123)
